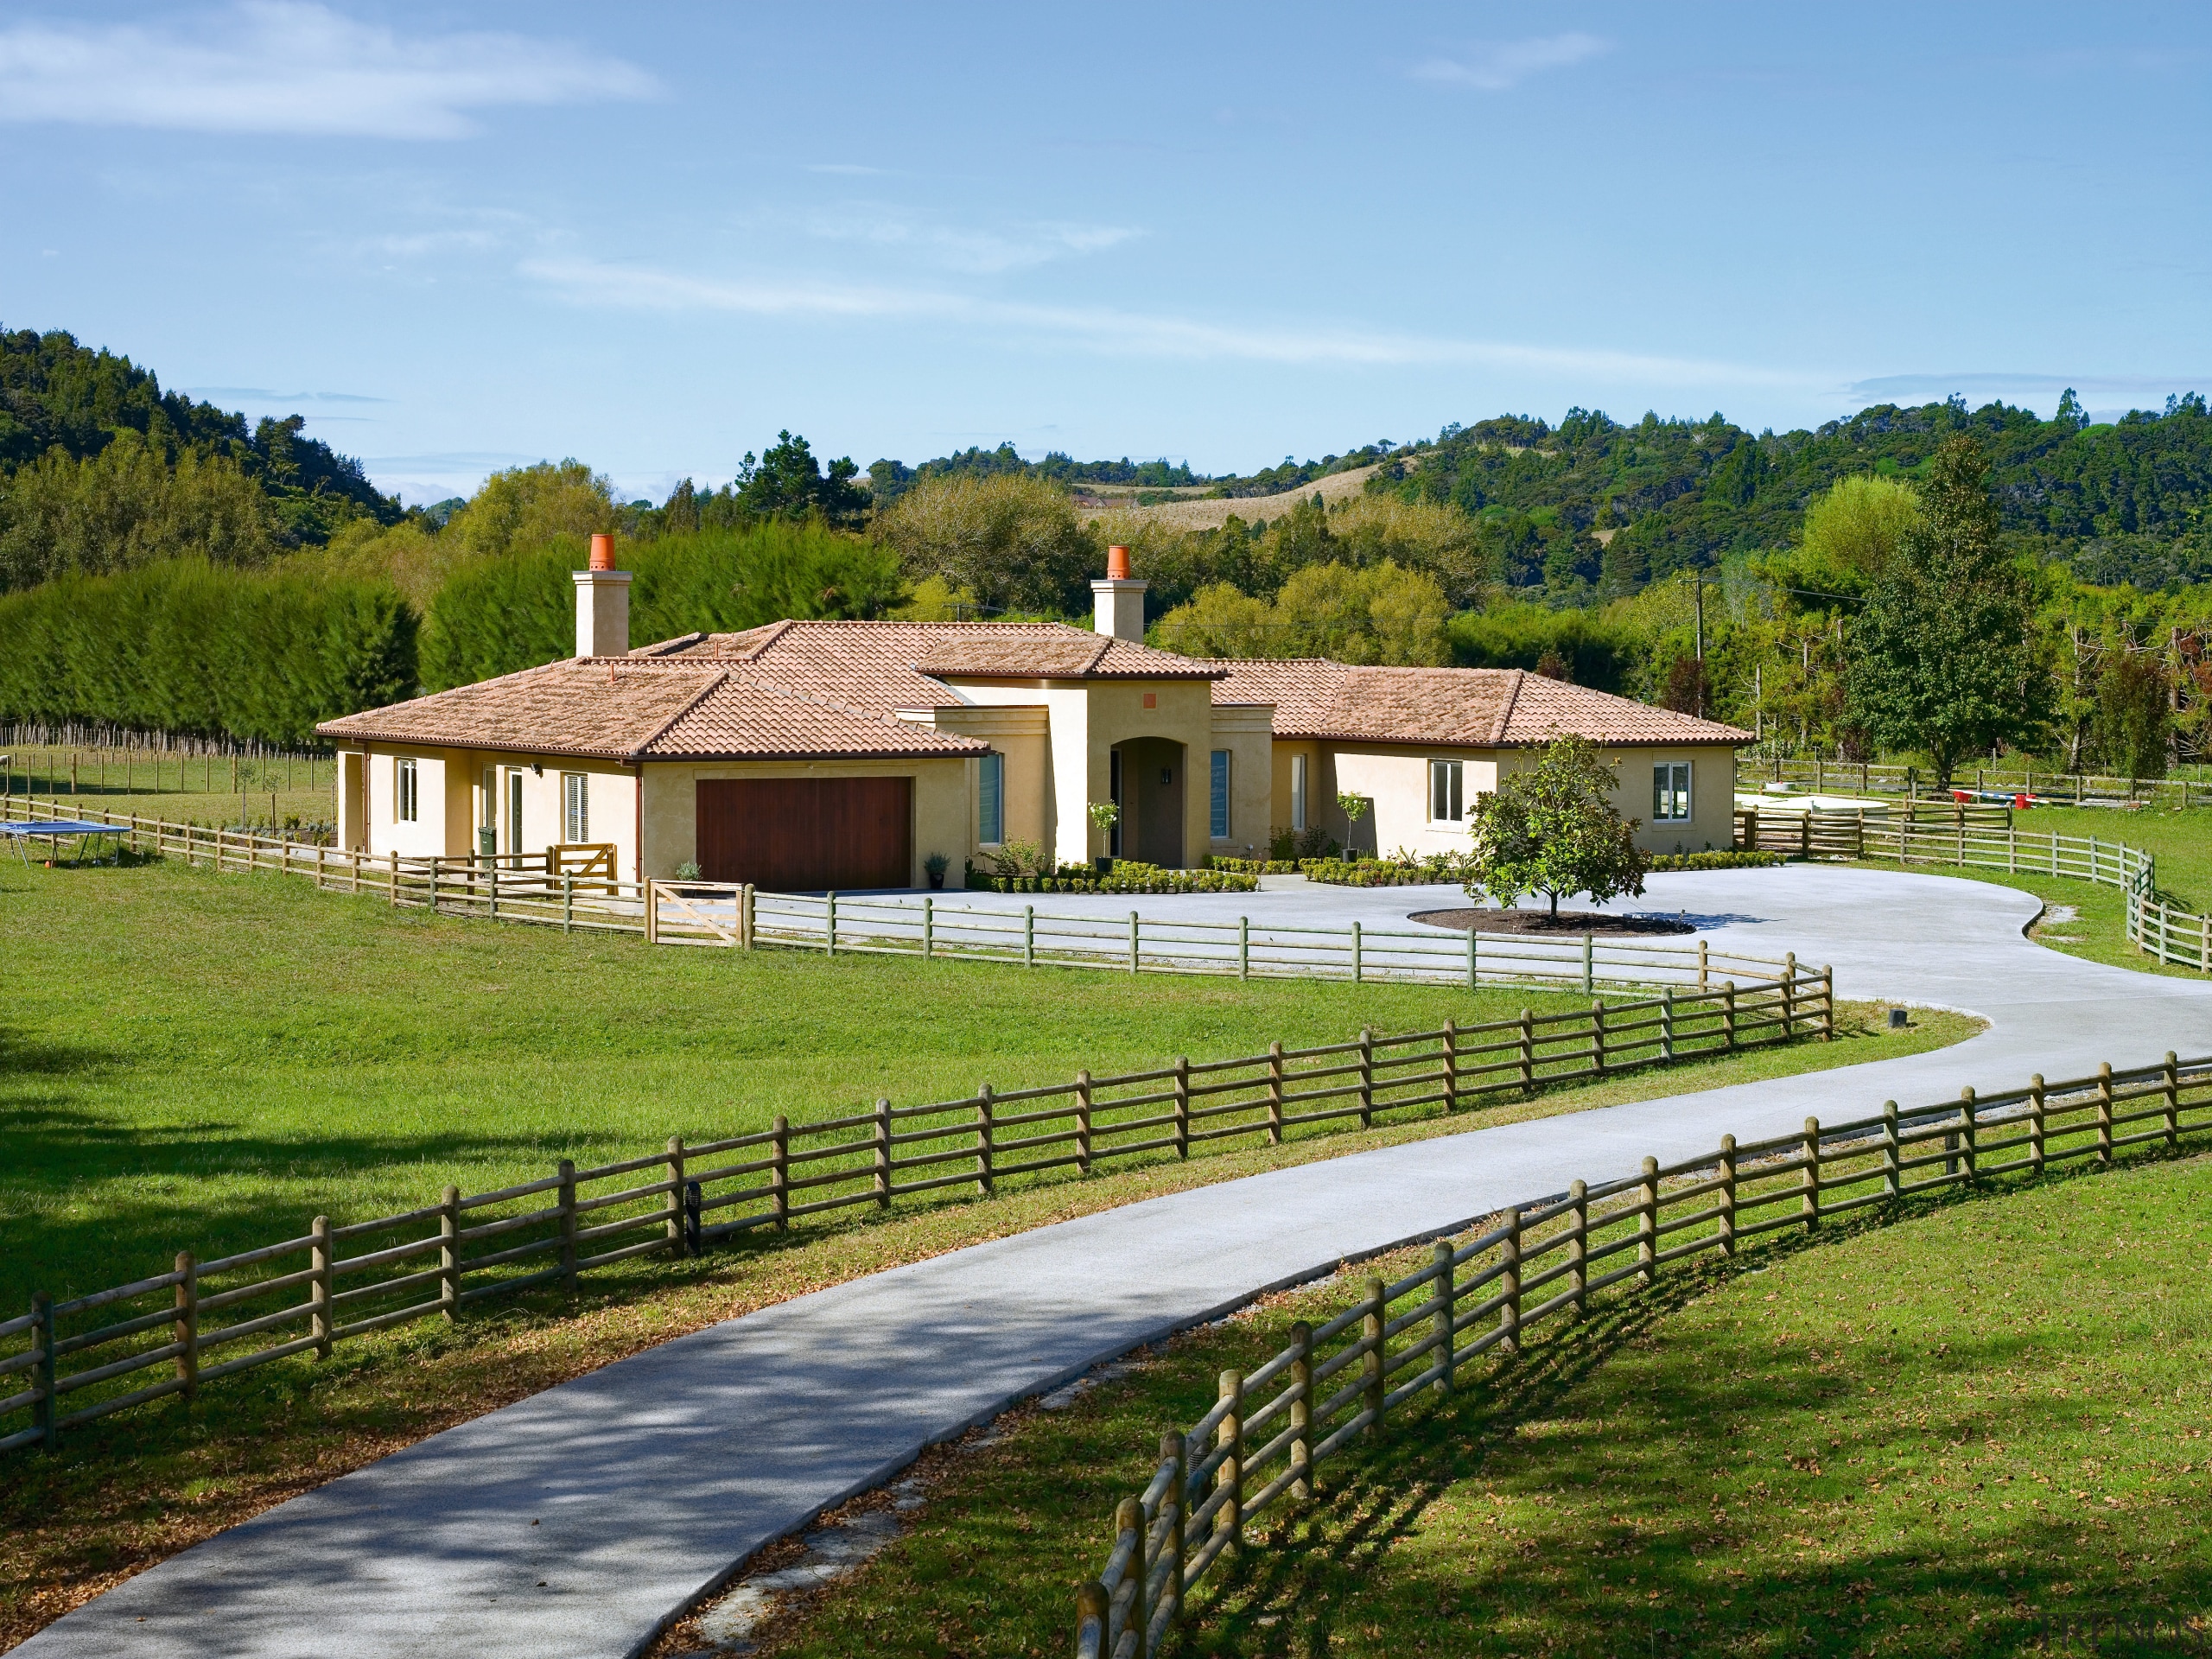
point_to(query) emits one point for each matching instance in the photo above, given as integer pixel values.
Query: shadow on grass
(1644, 1583)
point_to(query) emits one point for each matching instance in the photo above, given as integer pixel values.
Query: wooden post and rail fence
(1272, 1431)
(1822, 776)
(575, 888)
(83, 1355)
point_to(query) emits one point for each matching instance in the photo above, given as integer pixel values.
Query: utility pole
(1699, 576)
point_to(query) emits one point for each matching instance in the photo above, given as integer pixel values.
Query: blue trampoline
(54, 830)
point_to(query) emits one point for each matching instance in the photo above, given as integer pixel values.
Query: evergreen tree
(1944, 655)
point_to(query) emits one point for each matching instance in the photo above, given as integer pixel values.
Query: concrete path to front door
(577, 1521)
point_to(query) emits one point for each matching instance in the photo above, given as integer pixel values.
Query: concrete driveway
(574, 1522)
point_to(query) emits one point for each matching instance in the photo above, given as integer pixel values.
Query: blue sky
(461, 236)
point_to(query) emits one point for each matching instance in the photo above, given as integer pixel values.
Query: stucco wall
(944, 801)
(1115, 711)
(1396, 781)
(1713, 780)
(451, 804)
(1279, 814)
(1245, 730)
(1019, 732)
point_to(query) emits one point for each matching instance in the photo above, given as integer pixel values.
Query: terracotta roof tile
(1479, 708)
(577, 707)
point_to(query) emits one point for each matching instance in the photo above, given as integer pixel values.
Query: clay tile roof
(578, 707)
(1481, 708)
(753, 719)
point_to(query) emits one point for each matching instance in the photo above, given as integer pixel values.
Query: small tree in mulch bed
(1553, 829)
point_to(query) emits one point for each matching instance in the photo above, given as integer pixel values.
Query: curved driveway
(577, 1521)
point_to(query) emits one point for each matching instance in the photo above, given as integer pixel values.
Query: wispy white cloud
(977, 252)
(1495, 66)
(2015, 386)
(262, 395)
(1112, 330)
(290, 66)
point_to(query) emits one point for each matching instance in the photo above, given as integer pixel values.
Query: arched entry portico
(1148, 784)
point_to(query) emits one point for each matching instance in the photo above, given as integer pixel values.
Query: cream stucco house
(805, 755)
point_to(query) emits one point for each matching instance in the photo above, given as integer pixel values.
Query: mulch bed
(1574, 922)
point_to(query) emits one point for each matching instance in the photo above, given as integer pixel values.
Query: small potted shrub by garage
(934, 867)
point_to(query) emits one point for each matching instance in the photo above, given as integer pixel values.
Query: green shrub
(1722, 860)
(184, 645)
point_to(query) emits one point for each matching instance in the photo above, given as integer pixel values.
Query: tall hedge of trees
(187, 646)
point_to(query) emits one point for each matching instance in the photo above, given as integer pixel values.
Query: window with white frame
(406, 797)
(1670, 792)
(1217, 814)
(990, 799)
(575, 806)
(1298, 792)
(1446, 791)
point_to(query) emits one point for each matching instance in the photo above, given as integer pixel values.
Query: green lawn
(1925, 1438)
(189, 1061)
(180, 788)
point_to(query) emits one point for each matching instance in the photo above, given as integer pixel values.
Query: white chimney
(602, 604)
(1120, 599)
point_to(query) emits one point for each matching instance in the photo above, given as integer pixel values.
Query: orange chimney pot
(1117, 564)
(602, 552)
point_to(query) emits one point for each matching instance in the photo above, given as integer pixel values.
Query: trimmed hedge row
(1386, 873)
(1722, 860)
(184, 645)
(1149, 881)
(1255, 865)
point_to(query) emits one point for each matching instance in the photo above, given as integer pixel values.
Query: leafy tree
(124, 507)
(787, 482)
(524, 507)
(1944, 657)
(1219, 620)
(1012, 541)
(2133, 722)
(1553, 829)
(1859, 525)
(1380, 614)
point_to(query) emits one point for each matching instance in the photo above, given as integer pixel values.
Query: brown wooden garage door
(799, 835)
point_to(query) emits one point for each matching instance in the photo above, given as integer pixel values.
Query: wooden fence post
(1892, 1152)
(1182, 1086)
(780, 1172)
(1666, 1023)
(568, 1192)
(1509, 1285)
(1301, 1412)
(1474, 958)
(1809, 1177)
(2104, 1111)
(450, 1255)
(1366, 1076)
(1128, 1524)
(1728, 1015)
(1243, 947)
(1090, 1618)
(883, 1152)
(2035, 1123)
(1275, 1094)
(1229, 1477)
(1371, 1352)
(751, 933)
(1789, 995)
(1727, 1218)
(1647, 1225)
(1135, 958)
(392, 882)
(1828, 1003)
(1082, 1121)
(1446, 1306)
(1356, 964)
(319, 1320)
(929, 927)
(2172, 1080)
(1597, 1034)
(187, 1323)
(1588, 965)
(830, 934)
(45, 1371)
(1700, 964)
(1578, 1248)
(1451, 1065)
(1029, 936)
(1174, 1451)
(672, 1204)
(983, 1134)
(1967, 1127)
(1528, 1050)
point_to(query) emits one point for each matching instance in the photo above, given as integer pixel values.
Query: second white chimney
(1121, 598)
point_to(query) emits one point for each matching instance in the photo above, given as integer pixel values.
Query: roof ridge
(1504, 722)
(690, 702)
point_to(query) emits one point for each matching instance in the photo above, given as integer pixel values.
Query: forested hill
(1595, 505)
(64, 406)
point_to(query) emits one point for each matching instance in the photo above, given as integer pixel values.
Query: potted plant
(935, 866)
(1104, 815)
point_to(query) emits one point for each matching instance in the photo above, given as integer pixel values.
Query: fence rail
(575, 888)
(1267, 1438)
(202, 1320)
(1869, 778)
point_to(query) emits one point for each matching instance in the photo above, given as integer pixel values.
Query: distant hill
(56, 395)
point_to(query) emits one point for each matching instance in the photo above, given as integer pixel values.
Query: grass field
(203, 1061)
(183, 789)
(1927, 1438)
